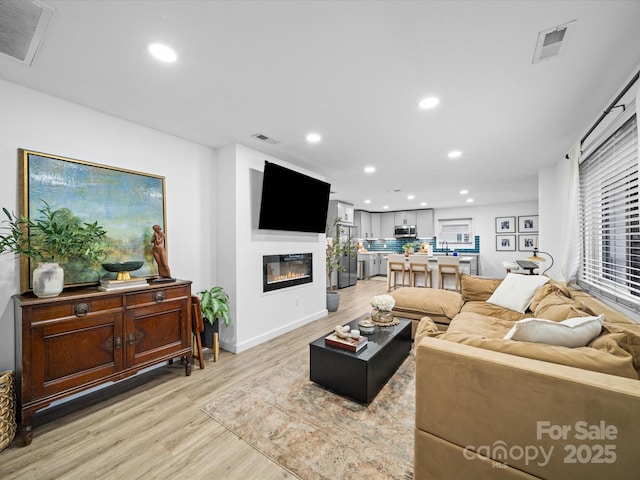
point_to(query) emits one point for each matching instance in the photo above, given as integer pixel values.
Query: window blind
(610, 217)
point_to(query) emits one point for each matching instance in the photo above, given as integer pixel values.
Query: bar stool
(419, 264)
(449, 266)
(396, 265)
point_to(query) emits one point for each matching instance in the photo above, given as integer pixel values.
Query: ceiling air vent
(22, 27)
(264, 138)
(552, 42)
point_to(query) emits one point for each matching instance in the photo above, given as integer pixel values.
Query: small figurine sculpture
(159, 252)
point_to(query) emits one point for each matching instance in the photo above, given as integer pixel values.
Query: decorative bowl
(123, 268)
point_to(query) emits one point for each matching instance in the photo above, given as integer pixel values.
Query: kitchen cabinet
(338, 208)
(424, 223)
(408, 217)
(85, 337)
(375, 225)
(362, 220)
(387, 222)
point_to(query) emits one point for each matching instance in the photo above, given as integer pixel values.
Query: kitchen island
(376, 264)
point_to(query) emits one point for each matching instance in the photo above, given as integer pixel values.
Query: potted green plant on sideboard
(55, 237)
(336, 248)
(214, 304)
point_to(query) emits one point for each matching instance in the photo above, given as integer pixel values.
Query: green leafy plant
(407, 246)
(336, 249)
(55, 236)
(214, 304)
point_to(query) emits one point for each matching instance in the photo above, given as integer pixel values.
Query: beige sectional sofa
(489, 408)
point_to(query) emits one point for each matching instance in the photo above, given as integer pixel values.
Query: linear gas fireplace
(283, 271)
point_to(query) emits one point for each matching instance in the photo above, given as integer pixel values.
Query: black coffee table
(360, 375)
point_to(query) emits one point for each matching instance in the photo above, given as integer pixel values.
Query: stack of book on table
(109, 284)
(346, 343)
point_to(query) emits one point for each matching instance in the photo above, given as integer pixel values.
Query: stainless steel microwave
(404, 231)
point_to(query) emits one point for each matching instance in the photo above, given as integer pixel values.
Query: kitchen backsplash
(395, 245)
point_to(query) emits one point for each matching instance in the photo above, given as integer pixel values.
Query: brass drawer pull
(131, 339)
(118, 343)
(158, 297)
(81, 309)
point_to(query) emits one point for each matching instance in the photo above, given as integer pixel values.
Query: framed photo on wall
(125, 203)
(505, 243)
(528, 224)
(526, 243)
(505, 224)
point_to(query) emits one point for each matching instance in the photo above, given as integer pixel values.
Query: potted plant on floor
(336, 248)
(55, 238)
(214, 304)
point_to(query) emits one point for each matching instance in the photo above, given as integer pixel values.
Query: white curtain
(571, 245)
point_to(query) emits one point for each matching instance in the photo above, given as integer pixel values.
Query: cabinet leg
(26, 434)
(187, 366)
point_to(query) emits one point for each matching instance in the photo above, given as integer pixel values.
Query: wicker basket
(7, 408)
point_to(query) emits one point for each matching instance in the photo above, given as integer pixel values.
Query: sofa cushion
(622, 340)
(491, 310)
(516, 291)
(574, 332)
(427, 302)
(477, 288)
(581, 357)
(552, 286)
(557, 307)
(611, 314)
(486, 325)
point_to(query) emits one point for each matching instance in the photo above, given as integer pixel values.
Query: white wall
(552, 187)
(258, 316)
(484, 225)
(39, 122)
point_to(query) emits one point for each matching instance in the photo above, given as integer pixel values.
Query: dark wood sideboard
(85, 337)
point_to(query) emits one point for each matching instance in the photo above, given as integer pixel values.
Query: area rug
(316, 434)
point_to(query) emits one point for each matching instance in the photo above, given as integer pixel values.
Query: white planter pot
(48, 280)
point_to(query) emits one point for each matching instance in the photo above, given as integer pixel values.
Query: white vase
(48, 280)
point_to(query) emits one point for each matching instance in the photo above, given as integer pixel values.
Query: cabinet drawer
(74, 308)
(158, 295)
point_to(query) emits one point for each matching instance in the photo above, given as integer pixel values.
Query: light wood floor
(151, 426)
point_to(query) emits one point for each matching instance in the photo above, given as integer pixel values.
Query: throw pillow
(552, 286)
(575, 332)
(477, 288)
(557, 307)
(516, 291)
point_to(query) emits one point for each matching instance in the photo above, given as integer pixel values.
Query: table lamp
(536, 258)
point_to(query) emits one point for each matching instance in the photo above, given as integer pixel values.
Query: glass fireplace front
(283, 271)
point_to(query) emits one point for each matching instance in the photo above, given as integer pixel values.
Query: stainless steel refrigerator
(349, 263)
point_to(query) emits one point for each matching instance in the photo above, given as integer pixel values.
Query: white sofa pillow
(516, 291)
(574, 332)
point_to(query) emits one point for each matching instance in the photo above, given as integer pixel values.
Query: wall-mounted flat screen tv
(292, 201)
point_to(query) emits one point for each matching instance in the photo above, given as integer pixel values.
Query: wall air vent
(552, 42)
(264, 138)
(22, 27)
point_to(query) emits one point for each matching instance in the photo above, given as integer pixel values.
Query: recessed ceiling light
(367, 201)
(464, 192)
(386, 207)
(429, 102)
(454, 154)
(469, 200)
(162, 52)
(423, 204)
(411, 197)
(313, 138)
(369, 169)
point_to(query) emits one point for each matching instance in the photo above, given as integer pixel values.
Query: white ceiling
(353, 71)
